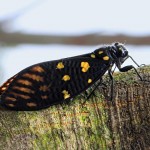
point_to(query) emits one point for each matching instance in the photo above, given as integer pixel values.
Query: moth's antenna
(134, 61)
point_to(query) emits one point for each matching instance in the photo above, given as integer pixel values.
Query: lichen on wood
(123, 123)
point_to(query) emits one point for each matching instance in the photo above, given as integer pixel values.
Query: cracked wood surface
(98, 124)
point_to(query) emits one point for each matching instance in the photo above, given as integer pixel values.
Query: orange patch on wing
(26, 90)
(43, 88)
(10, 105)
(20, 95)
(44, 97)
(6, 84)
(24, 82)
(37, 69)
(3, 88)
(33, 77)
(10, 98)
(31, 104)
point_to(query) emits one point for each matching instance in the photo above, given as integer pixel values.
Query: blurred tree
(7, 37)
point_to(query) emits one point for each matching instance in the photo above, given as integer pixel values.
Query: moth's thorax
(103, 54)
(114, 54)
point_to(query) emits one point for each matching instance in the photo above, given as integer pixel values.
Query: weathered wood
(98, 124)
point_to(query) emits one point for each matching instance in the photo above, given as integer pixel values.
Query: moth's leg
(65, 102)
(112, 84)
(127, 68)
(96, 86)
(93, 89)
(84, 94)
(114, 69)
(92, 92)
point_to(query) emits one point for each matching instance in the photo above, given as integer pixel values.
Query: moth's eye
(120, 50)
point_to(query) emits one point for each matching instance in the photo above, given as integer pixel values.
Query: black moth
(48, 83)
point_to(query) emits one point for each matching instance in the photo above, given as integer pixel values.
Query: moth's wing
(48, 83)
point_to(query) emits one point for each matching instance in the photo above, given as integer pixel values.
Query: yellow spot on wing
(89, 80)
(84, 70)
(66, 77)
(60, 65)
(100, 52)
(66, 94)
(38, 69)
(85, 66)
(105, 58)
(92, 55)
(31, 104)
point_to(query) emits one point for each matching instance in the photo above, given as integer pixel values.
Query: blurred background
(34, 31)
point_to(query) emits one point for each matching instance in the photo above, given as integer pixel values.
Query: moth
(44, 84)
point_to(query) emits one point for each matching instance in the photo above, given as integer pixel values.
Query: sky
(70, 18)
(79, 16)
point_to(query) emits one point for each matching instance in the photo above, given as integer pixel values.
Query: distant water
(17, 58)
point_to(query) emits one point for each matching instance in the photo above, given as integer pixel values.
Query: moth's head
(118, 53)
